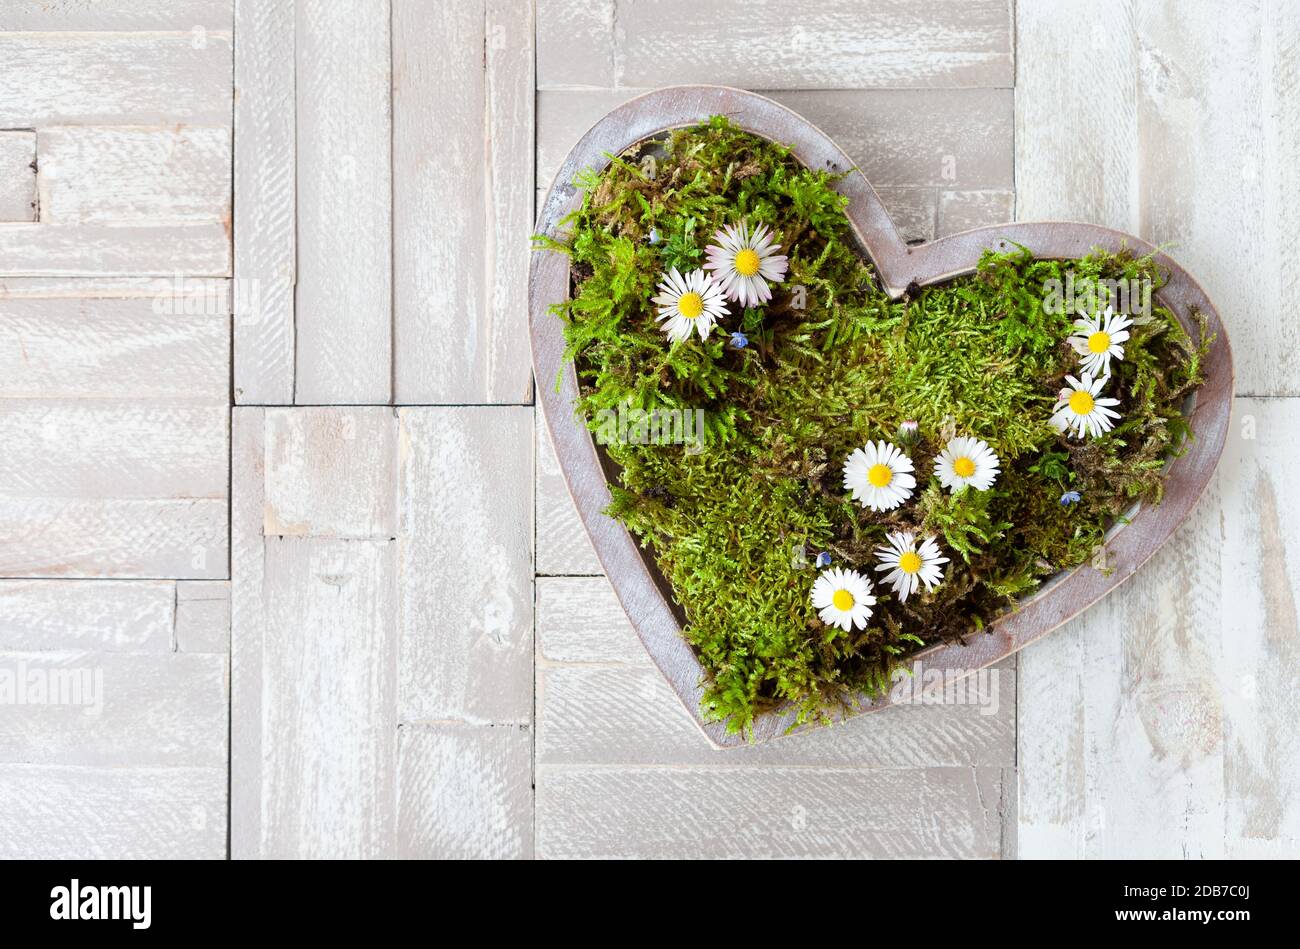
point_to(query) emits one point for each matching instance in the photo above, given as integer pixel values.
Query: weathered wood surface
(266, 180)
(1161, 723)
(18, 202)
(343, 307)
(839, 44)
(382, 632)
(462, 199)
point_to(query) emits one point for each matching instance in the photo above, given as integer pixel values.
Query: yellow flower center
(690, 305)
(963, 467)
(747, 262)
(880, 475)
(910, 562)
(1081, 403)
(843, 600)
(1099, 342)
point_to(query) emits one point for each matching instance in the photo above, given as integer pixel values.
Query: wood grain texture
(465, 792)
(247, 627)
(99, 615)
(1163, 723)
(462, 199)
(675, 813)
(70, 343)
(156, 176)
(113, 78)
(18, 202)
(62, 813)
(112, 450)
(1182, 140)
(562, 544)
(955, 139)
(47, 16)
(331, 472)
(141, 710)
(466, 564)
(329, 732)
(838, 44)
(198, 250)
(963, 210)
(203, 616)
(265, 180)
(344, 302)
(121, 538)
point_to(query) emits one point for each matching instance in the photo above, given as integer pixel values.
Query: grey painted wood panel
(266, 181)
(465, 792)
(93, 250)
(462, 200)
(837, 44)
(46, 16)
(99, 615)
(62, 813)
(466, 542)
(344, 303)
(113, 78)
(670, 812)
(203, 616)
(562, 544)
(18, 201)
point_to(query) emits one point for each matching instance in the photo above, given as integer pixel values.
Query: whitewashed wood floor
(329, 571)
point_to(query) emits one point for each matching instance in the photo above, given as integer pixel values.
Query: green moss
(976, 356)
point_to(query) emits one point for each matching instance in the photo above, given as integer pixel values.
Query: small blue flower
(1069, 497)
(739, 340)
(823, 560)
(654, 235)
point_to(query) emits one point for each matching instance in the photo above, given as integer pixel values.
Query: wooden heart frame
(641, 588)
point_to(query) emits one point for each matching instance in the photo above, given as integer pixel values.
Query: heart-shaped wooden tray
(642, 590)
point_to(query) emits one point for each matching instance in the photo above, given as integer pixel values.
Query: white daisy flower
(1081, 410)
(743, 261)
(843, 598)
(909, 565)
(967, 461)
(1098, 338)
(879, 475)
(693, 302)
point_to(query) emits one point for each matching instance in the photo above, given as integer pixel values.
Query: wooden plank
(112, 450)
(100, 615)
(1163, 722)
(562, 544)
(69, 343)
(113, 538)
(462, 190)
(575, 43)
(61, 813)
(156, 176)
(331, 472)
(199, 250)
(720, 812)
(18, 176)
(344, 304)
(601, 701)
(1183, 97)
(465, 792)
(48, 16)
(963, 210)
(247, 628)
(956, 139)
(114, 79)
(1257, 621)
(265, 182)
(114, 709)
(329, 739)
(837, 44)
(203, 616)
(466, 541)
